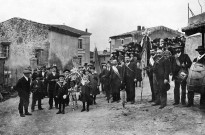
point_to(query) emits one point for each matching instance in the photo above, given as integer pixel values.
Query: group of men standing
(118, 75)
(163, 64)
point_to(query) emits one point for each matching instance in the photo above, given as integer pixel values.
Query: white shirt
(200, 56)
(54, 73)
(25, 77)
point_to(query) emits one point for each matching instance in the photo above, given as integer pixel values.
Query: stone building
(117, 41)
(23, 41)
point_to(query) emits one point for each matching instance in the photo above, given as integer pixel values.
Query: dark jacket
(202, 60)
(130, 71)
(37, 89)
(60, 90)
(105, 76)
(94, 82)
(23, 87)
(115, 79)
(162, 69)
(183, 58)
(51, 82)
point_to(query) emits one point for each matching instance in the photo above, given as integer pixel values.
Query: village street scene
(102, 67)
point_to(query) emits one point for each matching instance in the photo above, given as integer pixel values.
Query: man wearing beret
(23, 88)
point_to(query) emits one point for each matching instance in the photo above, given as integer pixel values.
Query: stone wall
(24, 36)
(62, 50)
(192, 42)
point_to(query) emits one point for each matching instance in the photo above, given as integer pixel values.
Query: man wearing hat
(161, 71)
(130, 77)
(23, 88)
(199, 59)
(52, 79)
(115, 81)
(180, 63)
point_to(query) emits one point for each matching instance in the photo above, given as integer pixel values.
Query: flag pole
(188, 12)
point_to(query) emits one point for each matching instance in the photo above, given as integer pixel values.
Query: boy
(37, 90)
(61, 94)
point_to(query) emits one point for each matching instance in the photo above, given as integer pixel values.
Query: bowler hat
(200, 48)
(61, 76)
(26, 71)
(176, 46)
(166, 86)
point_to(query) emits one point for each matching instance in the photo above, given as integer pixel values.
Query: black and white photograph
(102, 67)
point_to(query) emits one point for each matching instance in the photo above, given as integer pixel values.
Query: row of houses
(26, 43)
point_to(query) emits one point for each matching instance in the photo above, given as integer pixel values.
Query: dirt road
(106, 119)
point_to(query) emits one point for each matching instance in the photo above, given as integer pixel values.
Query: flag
(189, 10)
(145, 55)
(97, 61)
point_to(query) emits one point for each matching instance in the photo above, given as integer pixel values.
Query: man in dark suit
(52, 79)
(105, 80)
(37, 90)
(23, 88)
(180, 62)
(161, 71)
(115, 81)
(130, 79)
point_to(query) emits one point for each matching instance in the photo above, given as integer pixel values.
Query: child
(61, 93)
(37, 90)
(72, 94)
(139, 75)
(85, 90)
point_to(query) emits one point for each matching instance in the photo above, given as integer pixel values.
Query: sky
(103, 18)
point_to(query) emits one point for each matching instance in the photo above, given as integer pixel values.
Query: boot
(59, 112)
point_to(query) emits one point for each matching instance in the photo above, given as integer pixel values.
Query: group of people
(163, 64)
(61, 89)
(120, 73)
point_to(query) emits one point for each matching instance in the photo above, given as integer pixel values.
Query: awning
(193, 29)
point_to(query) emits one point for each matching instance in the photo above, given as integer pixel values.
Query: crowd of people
(122, 73)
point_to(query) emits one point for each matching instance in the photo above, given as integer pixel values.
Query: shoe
(40, 109)
(82, 110)
(95, 103)
(87, 110)
(28, 113)
(108, 101)
(22, 115)
(59, 112)
(161, 107)
(63, 112)
(50, 108)
(189, 105)
(112, 101)
(175, 103)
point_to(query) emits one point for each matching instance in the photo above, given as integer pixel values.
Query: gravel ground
(106, 118)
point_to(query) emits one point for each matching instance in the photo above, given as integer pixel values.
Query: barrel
(196, 78)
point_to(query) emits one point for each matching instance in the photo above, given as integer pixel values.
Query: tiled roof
(67, 28)
(58, 28)
(151, 30)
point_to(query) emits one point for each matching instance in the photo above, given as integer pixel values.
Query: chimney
(138, 28)
(86, 30)
(143, 28)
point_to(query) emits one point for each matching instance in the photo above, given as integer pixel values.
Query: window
(122, 41)
(80, 45)
(5, 51)
(80, 60)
